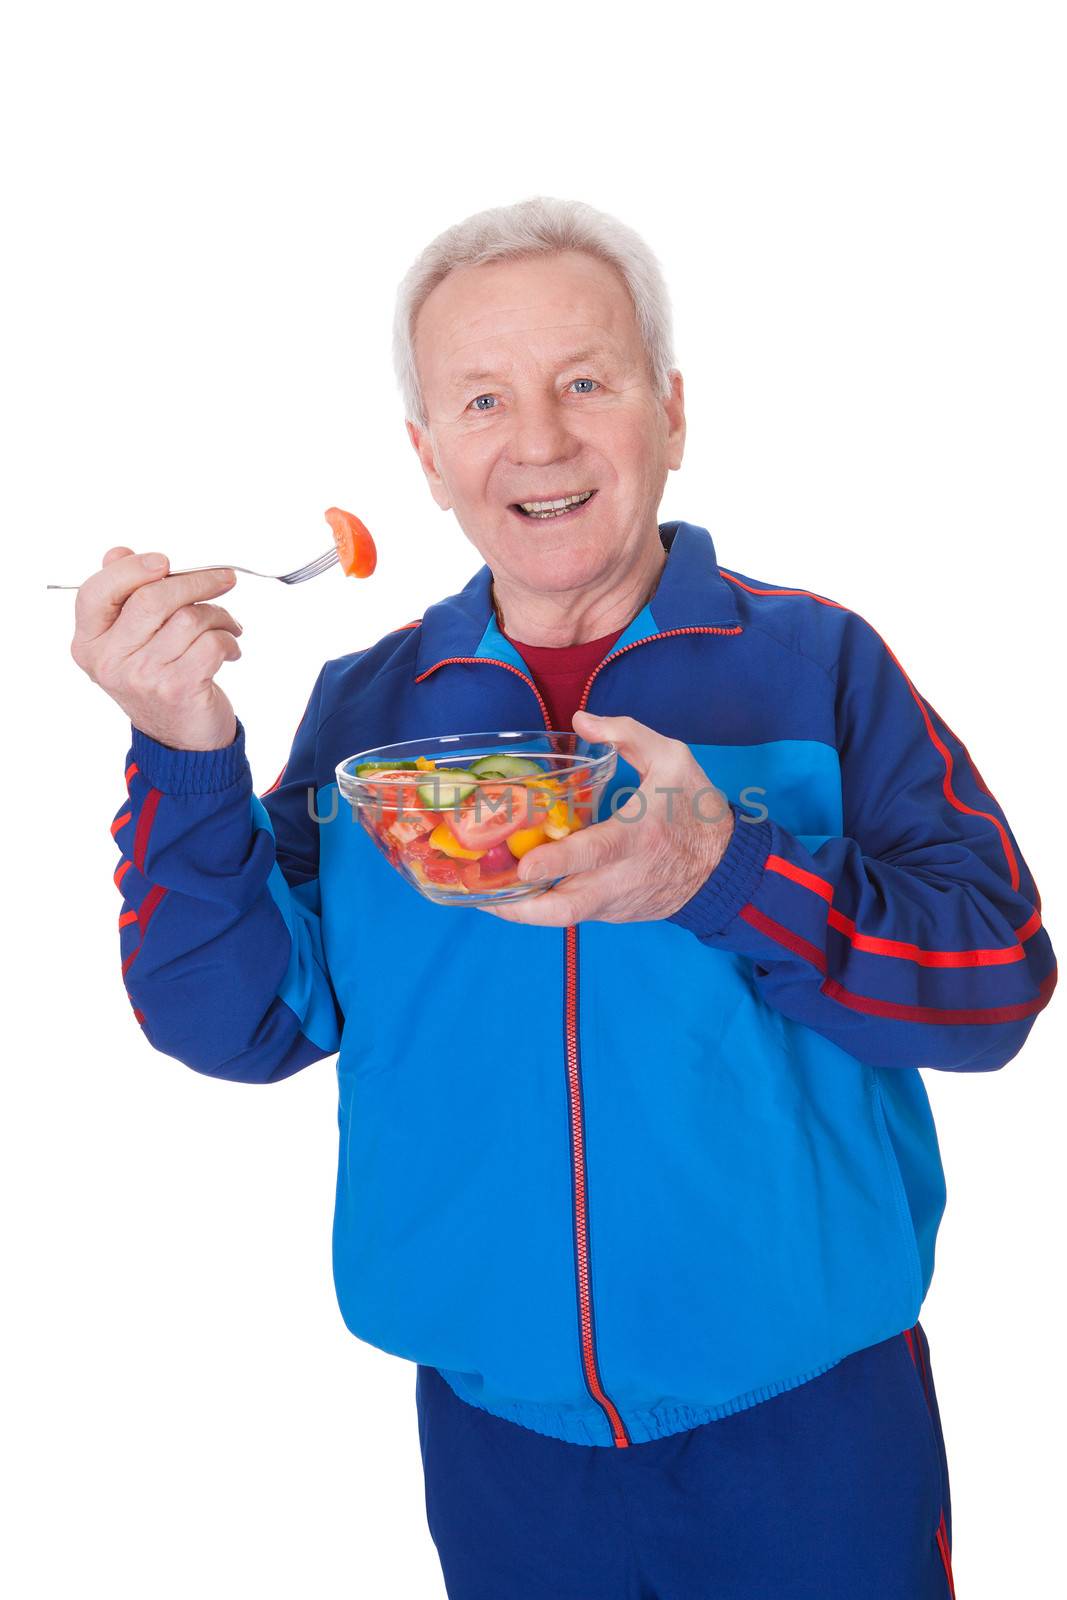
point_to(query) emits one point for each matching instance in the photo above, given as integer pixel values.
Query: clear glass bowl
(458, 834)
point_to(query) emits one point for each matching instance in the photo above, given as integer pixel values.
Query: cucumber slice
(382, 766)
(502, 765)
(445, 788)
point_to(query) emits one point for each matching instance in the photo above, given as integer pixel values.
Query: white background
(859, 210)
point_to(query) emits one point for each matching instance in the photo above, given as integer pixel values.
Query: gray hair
(532, 227)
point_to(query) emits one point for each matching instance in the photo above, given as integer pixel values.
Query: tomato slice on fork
(355, 547)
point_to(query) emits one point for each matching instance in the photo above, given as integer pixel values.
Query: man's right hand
(154, 646)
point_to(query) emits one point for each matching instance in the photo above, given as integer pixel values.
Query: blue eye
(476, 403)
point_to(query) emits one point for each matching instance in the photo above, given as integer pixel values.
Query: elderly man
(640, 1170)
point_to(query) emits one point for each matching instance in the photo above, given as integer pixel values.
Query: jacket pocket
(914, 1353)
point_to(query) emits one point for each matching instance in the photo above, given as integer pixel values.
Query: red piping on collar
(667, 633)
(493, 662)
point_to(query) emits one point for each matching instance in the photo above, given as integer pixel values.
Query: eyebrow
(596, 352)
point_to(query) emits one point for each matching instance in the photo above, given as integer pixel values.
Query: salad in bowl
(456, 813)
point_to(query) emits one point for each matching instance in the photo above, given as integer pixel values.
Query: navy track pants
(837, 1488)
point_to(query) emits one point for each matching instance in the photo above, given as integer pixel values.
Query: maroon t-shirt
(561, 672)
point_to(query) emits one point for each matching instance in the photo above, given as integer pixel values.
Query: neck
(574, 616)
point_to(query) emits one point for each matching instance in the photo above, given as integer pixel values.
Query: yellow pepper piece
(559, 822)
(524, 839)
(442, 838)
(544, 791)
(424, 764)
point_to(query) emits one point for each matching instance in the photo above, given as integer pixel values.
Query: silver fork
(310, 569)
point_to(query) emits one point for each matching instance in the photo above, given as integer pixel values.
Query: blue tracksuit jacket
(613, 1180)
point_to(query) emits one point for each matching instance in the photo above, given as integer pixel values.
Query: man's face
(537, 387)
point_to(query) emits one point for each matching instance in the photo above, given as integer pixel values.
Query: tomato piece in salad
(442, 869)
(408, 827)
(355, 547)
(492, 812)
(418, 849)
(475, 876)
(390, 794)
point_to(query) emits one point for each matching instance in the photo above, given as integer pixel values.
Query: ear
(423, 446)
(674, 406)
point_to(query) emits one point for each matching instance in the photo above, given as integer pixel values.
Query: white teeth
(553, 508)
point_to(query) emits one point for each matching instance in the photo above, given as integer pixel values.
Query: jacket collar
(691, 593)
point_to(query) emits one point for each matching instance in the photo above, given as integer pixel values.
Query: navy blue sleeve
(916, 939)
(220, 933)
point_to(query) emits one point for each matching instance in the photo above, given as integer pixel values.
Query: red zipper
(619, 1435)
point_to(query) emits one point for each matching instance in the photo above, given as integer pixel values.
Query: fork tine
(322, 564)
(312, 569)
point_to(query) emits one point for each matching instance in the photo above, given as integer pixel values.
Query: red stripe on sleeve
(870, 1006)
(1002, 955)
(807, 880)
(904, 1013)
(998, 956)
(950, 794)
(784, 936)
(144, 917)
(144, 827)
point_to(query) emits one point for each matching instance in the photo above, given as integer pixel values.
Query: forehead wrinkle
(510, 333)
(599, 348)
(486, 374)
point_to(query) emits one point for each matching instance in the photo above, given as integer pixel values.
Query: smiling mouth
(550, 510)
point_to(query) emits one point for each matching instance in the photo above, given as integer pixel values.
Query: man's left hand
(646, 860)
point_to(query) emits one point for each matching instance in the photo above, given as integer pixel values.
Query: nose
(540, 433)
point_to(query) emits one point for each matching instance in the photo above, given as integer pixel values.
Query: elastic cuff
(732, 883)
(189, 771)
